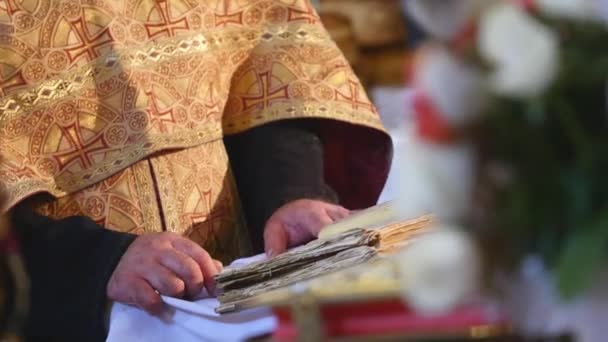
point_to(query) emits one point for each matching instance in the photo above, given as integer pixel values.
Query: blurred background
(499, 121)
(380, 39)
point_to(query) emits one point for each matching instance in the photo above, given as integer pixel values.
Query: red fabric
(528, 5)
(9, 244)
(409, 70)
(357, 162)
(465, 39)
(386, 317)
(431, 126)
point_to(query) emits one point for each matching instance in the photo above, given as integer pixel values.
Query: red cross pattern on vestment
(204, 200)
(226, 17)
(219, 212)
(212, 108)
(10, 6)
(352, 97)
(307, 15)
(81, 150)
(168, 25)
(158, 116)
(266, 94)
(14, 80)
(89, 45)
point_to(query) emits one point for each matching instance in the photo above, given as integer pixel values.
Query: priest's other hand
(299, 222)
(161, 264)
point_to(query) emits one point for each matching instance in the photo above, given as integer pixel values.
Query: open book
(350, 242)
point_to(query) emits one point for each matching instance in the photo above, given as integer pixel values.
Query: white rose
(439, 271)
(433, 178)
(575, 9)
(443, 19)
(455, 88)
(523, 51)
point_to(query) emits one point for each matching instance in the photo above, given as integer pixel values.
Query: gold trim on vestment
(154, 52)
(301, 109)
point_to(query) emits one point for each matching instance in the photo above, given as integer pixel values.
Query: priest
(144, 143)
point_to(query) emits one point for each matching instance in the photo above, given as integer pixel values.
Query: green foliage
(557, 146)
(581, 258)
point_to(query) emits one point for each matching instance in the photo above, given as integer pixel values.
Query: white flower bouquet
(525, 82)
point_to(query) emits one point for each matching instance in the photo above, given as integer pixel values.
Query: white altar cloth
(187, 321)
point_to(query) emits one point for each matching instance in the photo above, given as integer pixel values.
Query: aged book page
(347, 246)
(376, 216)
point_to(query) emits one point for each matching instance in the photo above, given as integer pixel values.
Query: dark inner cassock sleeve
(69, 263)
(274, 164)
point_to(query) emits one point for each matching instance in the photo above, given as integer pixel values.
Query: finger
(186, 268)
(202, 258)
(318, 220)
(218, 265)
(143, 295)
(337, 213)
(164, 281)
(275, 238)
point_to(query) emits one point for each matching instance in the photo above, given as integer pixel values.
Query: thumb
(275, 238)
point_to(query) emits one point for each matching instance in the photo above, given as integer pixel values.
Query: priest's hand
(299, 222)
(161, 264)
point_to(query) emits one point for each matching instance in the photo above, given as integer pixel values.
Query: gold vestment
(117, 109)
